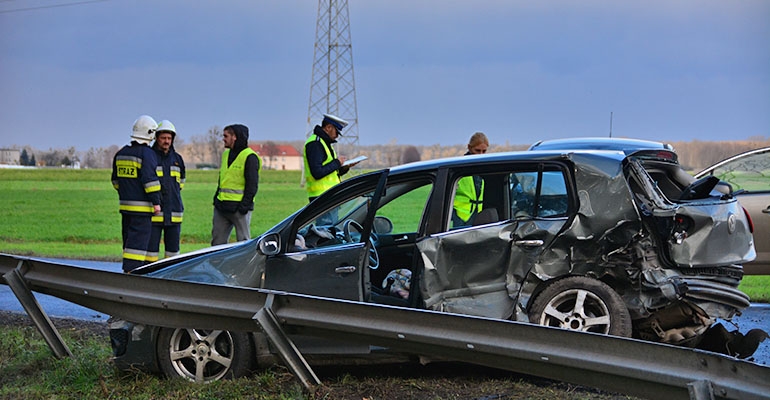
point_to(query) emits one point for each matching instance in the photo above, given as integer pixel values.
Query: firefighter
(135, 179)
(171, 173)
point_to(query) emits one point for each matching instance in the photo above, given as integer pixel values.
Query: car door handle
(345, 270)
(528, 243)
(401, 239)
(766, 210)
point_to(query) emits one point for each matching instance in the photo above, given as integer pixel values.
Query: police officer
(322, 166)
(238, 184)
(171, 173)
(134, 177)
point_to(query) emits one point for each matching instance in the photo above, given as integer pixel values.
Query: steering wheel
(349, 227)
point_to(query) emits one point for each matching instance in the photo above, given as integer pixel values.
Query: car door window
(540, 194)
(405, 211)
(332, 227)
(750, 173)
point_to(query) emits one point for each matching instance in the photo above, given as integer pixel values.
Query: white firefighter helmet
(166, 126)
(144, 129)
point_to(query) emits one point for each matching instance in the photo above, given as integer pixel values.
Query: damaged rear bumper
(702, 290)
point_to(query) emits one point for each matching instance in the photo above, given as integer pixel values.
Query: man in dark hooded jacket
(238, 182)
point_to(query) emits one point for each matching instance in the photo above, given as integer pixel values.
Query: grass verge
(28, 370)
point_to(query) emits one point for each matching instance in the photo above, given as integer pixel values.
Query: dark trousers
(136, 240)
(171, 234)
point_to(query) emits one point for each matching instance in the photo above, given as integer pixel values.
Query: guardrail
(622, 365)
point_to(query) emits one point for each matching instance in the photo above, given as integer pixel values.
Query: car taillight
(748, 218)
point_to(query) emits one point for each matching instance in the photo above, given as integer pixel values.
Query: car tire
(204, 355)
(582, 304)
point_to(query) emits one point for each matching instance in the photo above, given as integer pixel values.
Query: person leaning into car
(238, 184)
(323, 167)
(469, 195)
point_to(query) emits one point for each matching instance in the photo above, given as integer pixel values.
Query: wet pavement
(756, 316)
(54, 306)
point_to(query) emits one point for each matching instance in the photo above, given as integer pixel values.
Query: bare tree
(214, 140)
(271, 151)
(53, 157)
(108, 154)
(92, 158)
(203, 149)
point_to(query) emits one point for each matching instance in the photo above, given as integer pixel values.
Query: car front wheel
(204, 355)
(582, 304)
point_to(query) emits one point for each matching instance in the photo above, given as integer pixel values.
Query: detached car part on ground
(592, 241)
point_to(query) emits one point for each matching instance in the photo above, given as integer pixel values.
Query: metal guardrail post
(700, 390)
(38, 316)
(286, 348)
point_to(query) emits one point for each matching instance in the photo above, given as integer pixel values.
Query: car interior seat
(486, 216)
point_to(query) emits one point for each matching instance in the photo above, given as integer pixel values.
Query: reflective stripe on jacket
(317, 186)
(135, 179)
(171, 173)
(232, 180)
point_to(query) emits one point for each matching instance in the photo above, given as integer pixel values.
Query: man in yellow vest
(238, 183)
(322, 166)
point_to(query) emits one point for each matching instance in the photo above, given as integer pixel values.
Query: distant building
(10, 156)
(278, 156)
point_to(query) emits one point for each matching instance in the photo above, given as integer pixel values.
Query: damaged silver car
(616, 243)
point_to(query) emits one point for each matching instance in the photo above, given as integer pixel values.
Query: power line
(49, 6)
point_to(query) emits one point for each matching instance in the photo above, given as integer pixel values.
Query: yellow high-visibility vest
(467, 201)
(317, 186)
(231, 179)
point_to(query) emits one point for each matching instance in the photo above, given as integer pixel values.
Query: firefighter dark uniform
(171, 173)
(135, 179)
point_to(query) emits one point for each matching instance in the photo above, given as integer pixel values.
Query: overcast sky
(426, 72)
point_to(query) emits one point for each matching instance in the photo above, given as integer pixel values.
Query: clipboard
(354, 160)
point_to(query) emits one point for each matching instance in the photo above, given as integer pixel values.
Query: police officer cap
(338, 122)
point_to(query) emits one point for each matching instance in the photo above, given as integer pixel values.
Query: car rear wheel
(204, 355)
(582, 304)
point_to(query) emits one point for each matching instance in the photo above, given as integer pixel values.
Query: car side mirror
(270, 245)
(382, 225)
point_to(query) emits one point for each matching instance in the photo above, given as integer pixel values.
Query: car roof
(491, 158)
(626, 145)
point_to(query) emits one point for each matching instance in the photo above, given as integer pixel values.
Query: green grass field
(74, 214)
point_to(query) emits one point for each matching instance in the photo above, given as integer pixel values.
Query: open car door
(329, 251)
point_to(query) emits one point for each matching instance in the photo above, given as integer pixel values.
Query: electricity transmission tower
(332, 88)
